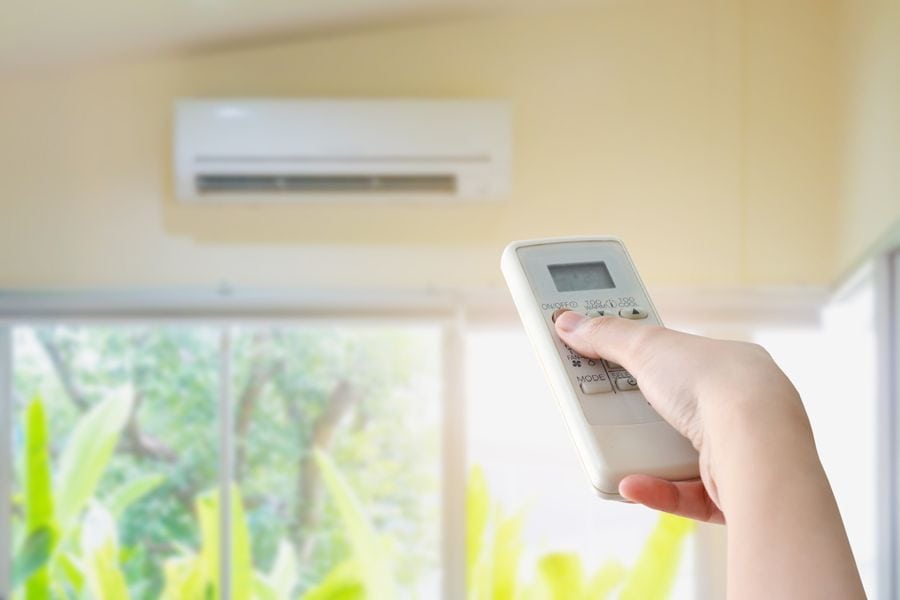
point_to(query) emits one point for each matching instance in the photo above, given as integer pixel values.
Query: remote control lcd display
(576, 277)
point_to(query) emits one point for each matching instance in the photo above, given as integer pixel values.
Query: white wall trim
(718, 305)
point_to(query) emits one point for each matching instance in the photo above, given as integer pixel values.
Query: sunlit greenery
(335, 494)
(127, 463)
(494, 559)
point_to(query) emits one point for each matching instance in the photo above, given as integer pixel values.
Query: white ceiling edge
(42, 34)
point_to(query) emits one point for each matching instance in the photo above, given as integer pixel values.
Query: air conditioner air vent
(324, 184)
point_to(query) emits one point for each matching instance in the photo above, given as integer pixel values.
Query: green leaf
(39, 523)
(100, 555)
(494, 544)
(506, 554)
(263, 589)
(477, 511)
(184, 579)
(605, 580)
(284, 574)
(87, 453)
(208, 514)
(132, 491)
(344, 582)
(368, 550)
(654, 573)
(33, 555)
(562, 576)
(72, 570)
(241, 561)
(38, 479)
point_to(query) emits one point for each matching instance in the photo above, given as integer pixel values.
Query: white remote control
(615, 430)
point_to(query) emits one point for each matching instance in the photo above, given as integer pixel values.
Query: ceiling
(40, 33)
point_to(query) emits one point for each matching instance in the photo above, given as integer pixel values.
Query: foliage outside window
(116, 448)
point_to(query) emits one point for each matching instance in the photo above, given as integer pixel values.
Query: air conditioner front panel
(302, 149)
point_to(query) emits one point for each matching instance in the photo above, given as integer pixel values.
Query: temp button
(633, 313)
(596, 387)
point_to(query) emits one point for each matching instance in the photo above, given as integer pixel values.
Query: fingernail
(624, 494)
(569, 320)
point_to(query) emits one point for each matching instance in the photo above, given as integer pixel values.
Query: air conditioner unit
(296, 150)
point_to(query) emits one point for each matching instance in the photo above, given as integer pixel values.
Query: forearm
(785, 534)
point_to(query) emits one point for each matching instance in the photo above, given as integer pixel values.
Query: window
(123, 434)
(215, 416)
(557, 531)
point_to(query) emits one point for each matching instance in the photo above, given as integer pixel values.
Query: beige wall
(869, 205)
(702, 132)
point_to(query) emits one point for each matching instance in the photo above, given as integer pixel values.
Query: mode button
(596, 387)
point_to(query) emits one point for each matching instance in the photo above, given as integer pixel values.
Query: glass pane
(114, 443)
(337, 458)
(529, 497)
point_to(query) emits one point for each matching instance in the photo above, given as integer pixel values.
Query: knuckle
(597, 326)
(756, 352)
(634, 345)
(642, 345)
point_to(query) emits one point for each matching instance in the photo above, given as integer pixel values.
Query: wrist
(755, 444)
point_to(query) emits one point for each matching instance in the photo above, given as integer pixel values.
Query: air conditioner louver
(326, 184)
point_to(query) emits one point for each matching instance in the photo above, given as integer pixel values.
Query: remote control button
(633, 313)
(558, 312)
(596, 387)
(613, 366)
(625, 384)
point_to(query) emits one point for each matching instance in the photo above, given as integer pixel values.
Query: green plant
(369, 574)
(340, 388)
(495, 547)
(196, 574)
(653, 574)
(71, 548)
(71, 542)
(40, 527)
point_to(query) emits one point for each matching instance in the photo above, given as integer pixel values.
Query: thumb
(620, 340)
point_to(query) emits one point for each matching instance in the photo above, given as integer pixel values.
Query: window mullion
(453, 501)
(226, 462)
(887, 319)
(6, 474)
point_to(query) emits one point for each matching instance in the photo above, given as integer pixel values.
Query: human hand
(713, 392)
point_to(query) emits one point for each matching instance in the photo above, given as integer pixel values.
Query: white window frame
(223, 308)
(724, 312)
(886, 276)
